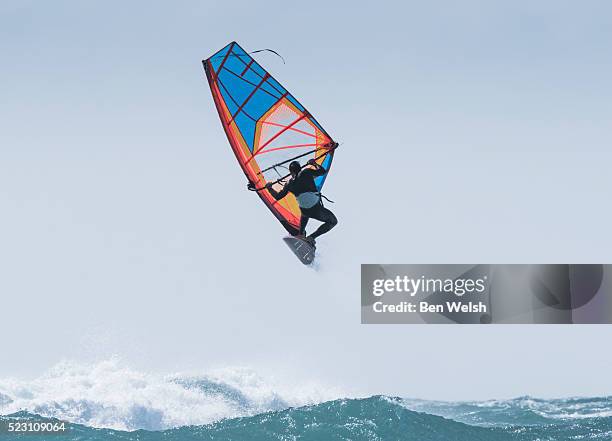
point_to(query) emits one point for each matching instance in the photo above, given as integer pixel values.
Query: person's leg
(320, 213)
(303, 222)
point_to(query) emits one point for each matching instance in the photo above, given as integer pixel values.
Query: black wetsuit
(304, 183)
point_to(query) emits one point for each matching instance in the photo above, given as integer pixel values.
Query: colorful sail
(266, 127)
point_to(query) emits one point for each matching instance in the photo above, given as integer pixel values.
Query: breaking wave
(110, 395)
(108, 401)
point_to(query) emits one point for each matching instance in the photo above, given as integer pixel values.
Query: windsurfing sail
(266, 126)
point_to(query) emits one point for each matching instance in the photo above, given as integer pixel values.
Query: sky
(471, 132)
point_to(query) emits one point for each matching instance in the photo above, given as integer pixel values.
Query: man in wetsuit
(302, 185)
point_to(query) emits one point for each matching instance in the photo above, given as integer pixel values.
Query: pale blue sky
(473, 132)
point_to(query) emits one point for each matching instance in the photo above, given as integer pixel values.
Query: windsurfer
(302, 185)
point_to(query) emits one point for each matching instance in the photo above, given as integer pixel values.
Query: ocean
(107, 401)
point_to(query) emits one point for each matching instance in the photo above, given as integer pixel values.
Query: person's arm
(318, 169)
(278, 195)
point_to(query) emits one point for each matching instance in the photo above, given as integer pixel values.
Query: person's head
(294, 168)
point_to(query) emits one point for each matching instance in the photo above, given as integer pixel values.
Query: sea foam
(110, 394)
